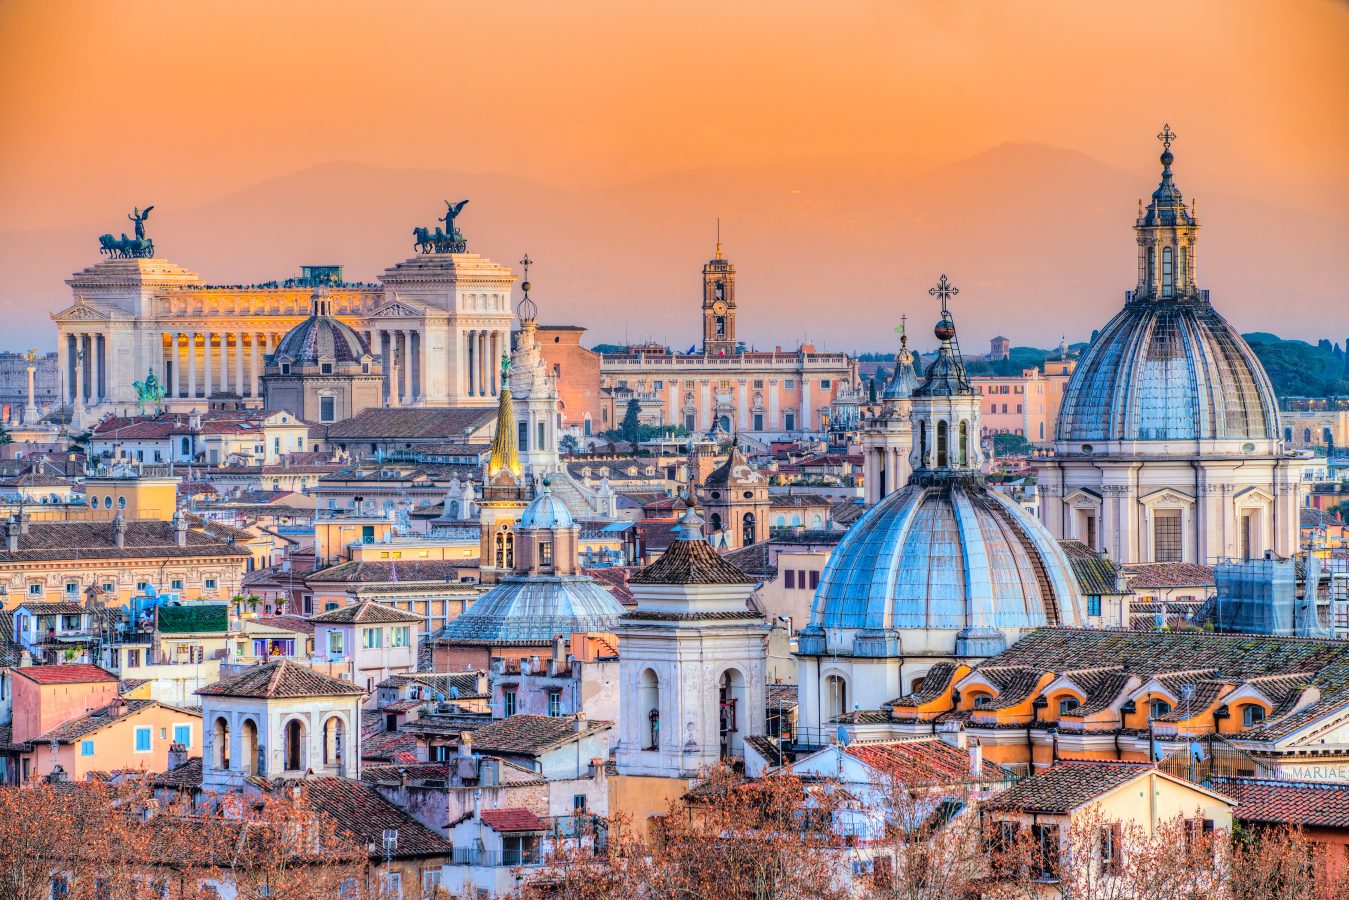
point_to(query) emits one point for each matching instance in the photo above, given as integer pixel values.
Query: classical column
(79, 374)
(206, 367)
(224, 364)
(472, 342)
(239, 364)
(192, 364)
(393, 370)
(255, 381)
(482, 364)
(30, 411)
(415, 364)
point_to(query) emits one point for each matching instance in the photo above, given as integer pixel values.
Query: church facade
(766, 393)
(439, 323)
(1168, 445)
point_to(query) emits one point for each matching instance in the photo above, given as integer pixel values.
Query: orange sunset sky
(853, 150)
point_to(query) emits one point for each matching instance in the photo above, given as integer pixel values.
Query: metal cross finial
(944, 291)
(1166, 136)
(903, 323)
(526, 263)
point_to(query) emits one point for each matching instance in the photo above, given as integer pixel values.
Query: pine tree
(631, 426)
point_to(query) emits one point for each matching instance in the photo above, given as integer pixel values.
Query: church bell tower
(718, 304)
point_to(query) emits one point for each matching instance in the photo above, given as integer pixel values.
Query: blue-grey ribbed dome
(322, 337)
(547, 511)
(1168, 370)
(946, 553)
(534, 610)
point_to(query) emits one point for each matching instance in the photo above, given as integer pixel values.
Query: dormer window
(1252, 715)
(285, 368)
(326, 368)
(1158, 708)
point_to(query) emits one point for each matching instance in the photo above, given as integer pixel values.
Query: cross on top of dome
(944, 291)
(526, 309)
(1166, 136)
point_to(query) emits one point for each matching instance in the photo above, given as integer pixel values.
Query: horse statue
(148, 391)
(125, 247)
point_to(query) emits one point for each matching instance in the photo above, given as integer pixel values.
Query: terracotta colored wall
(115, 745)
(39, 708)
(578, 384)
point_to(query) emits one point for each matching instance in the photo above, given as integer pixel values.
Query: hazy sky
(104, 105)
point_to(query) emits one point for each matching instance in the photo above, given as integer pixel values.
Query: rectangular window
(523, 428)
(1091, 532)
(789, 422)
(327, 409)
(372, 638)
(508, 701)
(790, 383)
(758, 421)
(578, 804)
(758, 384)
(789, 579)
(660, 385)
(1093, 606)
(545, 553)
(182, 734)
(109, 587)
(1252, 715)
(814, 580)
(1166, 535)
(555, 703)
(72, 587)
(825, 383)
(399, 637)
(334, 642)
(86, 748)
(35, 589)
(142, 740)
(431, 883)
(540, 444)
(176, 584)
(210, 584)
(391, 886)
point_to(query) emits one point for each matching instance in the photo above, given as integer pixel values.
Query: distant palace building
(765, 393)
(438, 323)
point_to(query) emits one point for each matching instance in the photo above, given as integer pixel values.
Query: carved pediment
(1253, 496)
(83, 311)
(1082, 497)
(397, 309)
(1167, 497)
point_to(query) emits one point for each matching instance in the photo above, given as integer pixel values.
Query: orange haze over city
(853, 151)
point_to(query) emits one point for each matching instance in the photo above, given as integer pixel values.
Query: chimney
(560, 647)
(953, 733)
(535, 665)
(580, 722)
(177, 756)
(466, 744)
(23, 523)
(477, 805)
(119, 530)
(976, 759)
(180, 526)
(12, 534)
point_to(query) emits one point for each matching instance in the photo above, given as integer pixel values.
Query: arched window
(982, 701)
(836, 696)
(333, 733)
(1158, 708)
(1168, 273)
(220, 739)
(295, 754)
(964, 443)
(1068, 704)
(1182, 259)
(1152, 265)
(714, 521)
(941, 445)
(922, 442)
(251, 761)
(730, 697)
(747, 529)
(1252, 715)
(1306, 435)
(649, 704)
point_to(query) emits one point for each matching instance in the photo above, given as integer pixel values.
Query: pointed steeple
(1167, 231)
(505, 455)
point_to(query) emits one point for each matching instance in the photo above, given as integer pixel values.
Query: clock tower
(718, 305)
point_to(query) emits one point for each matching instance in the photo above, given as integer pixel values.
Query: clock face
(719, 308)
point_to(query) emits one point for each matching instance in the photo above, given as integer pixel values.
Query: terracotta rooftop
(92, 721)
(691, 562)
(433, 570)
(360, 811)
(512, 819)
(530, 734)
(367, 612)
(280, 679)
(1067, 786)
(1324, 805)
(41, 608)
(1143, 576)
(144, 539)
(75, 673)
(926, 760)
(448, 424)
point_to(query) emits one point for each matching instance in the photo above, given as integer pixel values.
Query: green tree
(568, 444)
(631, 426)
(1010, 445)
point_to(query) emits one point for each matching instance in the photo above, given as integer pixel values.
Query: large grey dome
(322, 337)
(1170, 369)
(945, 553)
(534, 610)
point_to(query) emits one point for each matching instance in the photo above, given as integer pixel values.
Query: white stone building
(1168, 446)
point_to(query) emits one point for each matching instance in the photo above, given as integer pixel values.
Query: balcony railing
(468, 856)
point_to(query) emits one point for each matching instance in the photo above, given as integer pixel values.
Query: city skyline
(961, 152)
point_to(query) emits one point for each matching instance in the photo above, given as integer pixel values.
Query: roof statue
(443, 240)
(138, 247)
(505, 456)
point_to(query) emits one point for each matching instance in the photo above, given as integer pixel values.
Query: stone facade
(446, 317)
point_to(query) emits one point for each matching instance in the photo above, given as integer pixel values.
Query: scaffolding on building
(1262, 596)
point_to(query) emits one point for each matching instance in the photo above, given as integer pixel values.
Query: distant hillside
(1300, 369)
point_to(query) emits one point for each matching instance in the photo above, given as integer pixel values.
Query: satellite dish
(844, 739)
